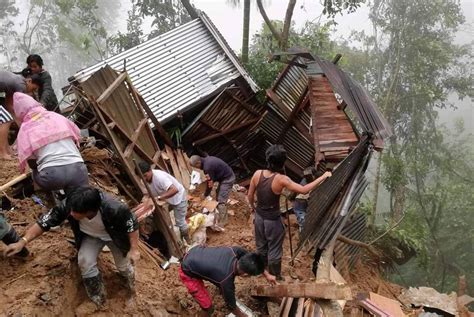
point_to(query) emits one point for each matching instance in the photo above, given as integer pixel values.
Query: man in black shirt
(220, 266)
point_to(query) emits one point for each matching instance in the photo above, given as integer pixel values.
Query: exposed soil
(8, 170)
(49, 283)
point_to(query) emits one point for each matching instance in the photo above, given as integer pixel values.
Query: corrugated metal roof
(175, 70)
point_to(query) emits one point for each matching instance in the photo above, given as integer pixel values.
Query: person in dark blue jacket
(220, 266)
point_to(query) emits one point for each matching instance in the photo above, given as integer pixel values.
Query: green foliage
(133, 36)
(333, 7)
(411, 67)
(315, 37)
(167, 14)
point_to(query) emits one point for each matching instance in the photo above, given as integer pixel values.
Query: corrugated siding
(176, 69)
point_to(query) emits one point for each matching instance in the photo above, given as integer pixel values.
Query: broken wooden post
(327, 290)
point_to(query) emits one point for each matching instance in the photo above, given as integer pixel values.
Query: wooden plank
(185, 175)
(134, 137)
(226, 131)
(286, 309)
(164, 221)
(299, 308)
(174, 166)
(159, 128)
(115, 143)
(186, 160)
(117, 82)
(310, 290)
(242, 103)
(14, 181)
(105, 115)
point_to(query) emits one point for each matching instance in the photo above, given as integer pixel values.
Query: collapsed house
(190, 78)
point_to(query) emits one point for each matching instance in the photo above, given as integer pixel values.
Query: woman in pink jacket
(47, 142)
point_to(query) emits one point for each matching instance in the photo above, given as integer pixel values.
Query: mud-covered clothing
(217, 169)
(223, 190)
(269, 228)
(269, 237)
(118, 221)
(90, 250)
(66, 177)
(217, 265)
(46, 94)
(268, 203)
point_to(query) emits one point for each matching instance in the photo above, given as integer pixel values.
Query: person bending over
(97, 219)
(47, 141)
(165, 187)
(220, 266)
(216, 170)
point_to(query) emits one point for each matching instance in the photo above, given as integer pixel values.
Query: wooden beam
(296, 110)
(159, 128)
(243, 104)
(308, 290)
(281, 106)
(105, 115)
(226, 131)
(117, 82)
(14, 181)
(134, 137)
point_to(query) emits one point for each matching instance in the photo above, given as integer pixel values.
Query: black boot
(274, 268)
(128, 277)
(13, 237)
(95, 289)
(223, 217)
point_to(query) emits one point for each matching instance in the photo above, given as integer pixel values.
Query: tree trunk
(190, 9)
(287, 25)
(245, 34)
(373, 214)
(265, 17)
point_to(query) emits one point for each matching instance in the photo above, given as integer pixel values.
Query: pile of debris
(325, 120)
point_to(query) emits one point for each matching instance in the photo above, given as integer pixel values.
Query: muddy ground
(48, 283)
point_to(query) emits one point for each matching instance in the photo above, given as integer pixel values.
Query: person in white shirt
(167, 188)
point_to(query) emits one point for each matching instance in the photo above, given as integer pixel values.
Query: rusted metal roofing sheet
(333, 133)
(334, 199)
(345, 254)
(178, 69)
(288, 118)
(355, 96)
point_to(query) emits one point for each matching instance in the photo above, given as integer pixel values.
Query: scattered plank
(307, 290)
(14, 181)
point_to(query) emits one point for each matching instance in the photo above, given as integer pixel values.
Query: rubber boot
(186, 237)
(129, 279)
(222, 220)
(274, 268)
(95, 290)
(13, 237)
